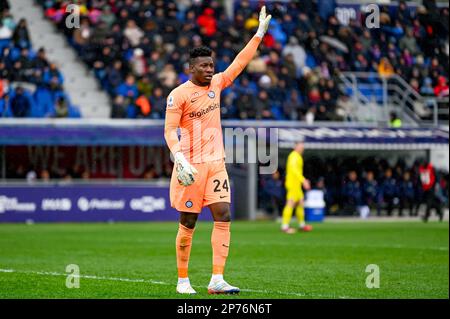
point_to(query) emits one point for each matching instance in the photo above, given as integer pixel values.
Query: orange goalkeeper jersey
(196, 111)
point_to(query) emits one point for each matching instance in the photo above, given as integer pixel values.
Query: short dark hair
(199, 52)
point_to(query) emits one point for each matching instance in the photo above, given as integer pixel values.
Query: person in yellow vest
(295, 180)
(395, 122)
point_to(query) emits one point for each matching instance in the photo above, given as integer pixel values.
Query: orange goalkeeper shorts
(211, 185)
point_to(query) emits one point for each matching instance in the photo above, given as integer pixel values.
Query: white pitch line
(394, 246)
(51, 273)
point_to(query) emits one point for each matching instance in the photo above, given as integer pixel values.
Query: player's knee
(222, 215)
(188, 220)
(189, 224)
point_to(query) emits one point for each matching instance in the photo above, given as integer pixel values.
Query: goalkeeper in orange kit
(199, 177)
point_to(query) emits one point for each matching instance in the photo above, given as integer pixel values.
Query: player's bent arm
(185, 171)
(170, 131)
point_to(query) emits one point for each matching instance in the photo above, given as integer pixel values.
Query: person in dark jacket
(389, 191)
(371, 192)
(274, 188)
(407, 194)
(20, 104)
(352, 193)
(20, 37)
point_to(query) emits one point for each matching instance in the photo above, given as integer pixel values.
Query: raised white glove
(264, 21)
(185, 171)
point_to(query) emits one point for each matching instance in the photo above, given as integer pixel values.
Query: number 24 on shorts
(220, 186)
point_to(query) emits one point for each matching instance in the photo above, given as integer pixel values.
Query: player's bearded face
(203, 69)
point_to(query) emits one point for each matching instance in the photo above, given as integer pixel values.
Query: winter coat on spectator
(20, 105)
(352, 193)
(389, 187)
(297, 52)
(441, 90)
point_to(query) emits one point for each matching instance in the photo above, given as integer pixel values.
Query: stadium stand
(30, 84)
(139, 49)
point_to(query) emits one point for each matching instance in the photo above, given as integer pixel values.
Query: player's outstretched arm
(247, 54)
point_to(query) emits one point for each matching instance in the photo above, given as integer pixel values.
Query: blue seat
(131, 111)
(310, 61)
(14, 54)
(44, 102)
(4, 43)
(5, 110)
(366, 92)
(348, 91)
(74, 112)
(277, 114)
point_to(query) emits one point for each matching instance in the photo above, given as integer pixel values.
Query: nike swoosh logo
(225, 245)
(193, 101)
(223, 196)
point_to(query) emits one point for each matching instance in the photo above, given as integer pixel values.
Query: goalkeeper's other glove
(185, 171)
(264, 21)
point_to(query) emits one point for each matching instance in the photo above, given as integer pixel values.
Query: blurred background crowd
(138, 50)
(30, 84)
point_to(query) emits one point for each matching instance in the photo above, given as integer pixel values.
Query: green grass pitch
(137, 260)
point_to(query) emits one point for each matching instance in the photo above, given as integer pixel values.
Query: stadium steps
(79, 83)
(367, 92)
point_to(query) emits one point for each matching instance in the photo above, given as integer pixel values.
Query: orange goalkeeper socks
(183, 246)
(220, 241)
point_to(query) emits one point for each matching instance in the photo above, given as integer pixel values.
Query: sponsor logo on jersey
(204, 111)
(194, 97)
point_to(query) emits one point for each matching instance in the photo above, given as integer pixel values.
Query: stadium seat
(44, 102)
(4, 43)
(74, 112)
(131, 111)
(277, 113)
(5, 110)
(310, 61)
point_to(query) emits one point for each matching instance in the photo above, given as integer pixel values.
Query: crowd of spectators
(40, 173)
(30, 84)
(139, 52)
(46, 174)
(357, 186)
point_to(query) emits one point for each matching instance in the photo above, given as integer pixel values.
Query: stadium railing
(392, 93)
